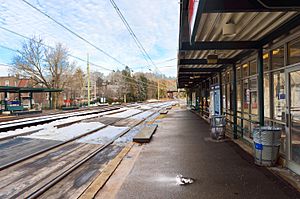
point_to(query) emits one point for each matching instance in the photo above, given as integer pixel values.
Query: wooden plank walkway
(145, 135)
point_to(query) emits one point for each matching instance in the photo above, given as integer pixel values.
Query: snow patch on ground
(52, 125)
(142, 115)
(146, 107)
(21, 131)
(65, 133)
(103, 136)
(125, 114)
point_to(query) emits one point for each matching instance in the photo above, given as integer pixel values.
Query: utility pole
(158, 91)
(89, 80)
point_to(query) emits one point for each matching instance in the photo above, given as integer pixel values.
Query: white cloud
(155, 22)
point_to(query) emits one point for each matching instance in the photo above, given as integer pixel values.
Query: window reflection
(253, 68)
(278, 58)
(267, 95)
(246, 94)
(245, 70)
(279, 95)
(253, 90)
(266, 59)
(294, 52)
(239, 96)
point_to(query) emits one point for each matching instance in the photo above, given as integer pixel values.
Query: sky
(154, 22)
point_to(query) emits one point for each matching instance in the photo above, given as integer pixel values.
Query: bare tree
(47, 67)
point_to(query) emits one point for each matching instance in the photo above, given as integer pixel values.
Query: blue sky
(155, 22)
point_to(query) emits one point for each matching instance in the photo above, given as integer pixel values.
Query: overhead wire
(78, 58)
(80, 37)
(133, 35)
(73, 32)
(152, 85)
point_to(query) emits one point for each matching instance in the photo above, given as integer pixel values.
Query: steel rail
(5, 166)
(12, 126)
(61, 176)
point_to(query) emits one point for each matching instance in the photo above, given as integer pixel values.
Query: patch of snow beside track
(66, 133)
(126, 113)
(53, 124)
(142, 115)
(103, 136)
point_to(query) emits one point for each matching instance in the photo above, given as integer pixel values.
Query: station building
(241, 59)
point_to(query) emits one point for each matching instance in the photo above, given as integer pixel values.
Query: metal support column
(234, 101)
(20, 99)
(30, 99)
(205, 93)
(221, 94)
(191, 98)
(202, 101)
(5, 101)
(50, 100)
(260, 69)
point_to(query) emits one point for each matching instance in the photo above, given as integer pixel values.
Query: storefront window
(239, 96)
(245, 70)
(228, 98)
(267, 95)
(238, 72)
(294, 52)
(278, 58)
(253, 93)
(279, 95)
(224, 97)
(266, 59)
(246, 96)
(253, 68)
(228, 76)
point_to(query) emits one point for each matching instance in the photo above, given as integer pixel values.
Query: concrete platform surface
(221, 169)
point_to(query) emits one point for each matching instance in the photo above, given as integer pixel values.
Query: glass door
(293, 117)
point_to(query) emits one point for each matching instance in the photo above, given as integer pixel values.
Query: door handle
(287, 119)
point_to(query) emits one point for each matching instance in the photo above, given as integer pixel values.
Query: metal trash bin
(218, 123)
(266, 143)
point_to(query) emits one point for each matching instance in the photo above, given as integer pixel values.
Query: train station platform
(181, 145)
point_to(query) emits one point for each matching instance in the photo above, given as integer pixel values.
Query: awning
(256, 24)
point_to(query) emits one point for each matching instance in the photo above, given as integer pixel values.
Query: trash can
(218, 123)
(266, 143)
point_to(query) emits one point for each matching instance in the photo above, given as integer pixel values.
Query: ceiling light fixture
(212, 59)
(229, 29)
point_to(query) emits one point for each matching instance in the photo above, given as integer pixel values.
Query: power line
(165, 61)
(78, 58)
(76, 34)
(8, 48)
(133, 35)
(96, 65)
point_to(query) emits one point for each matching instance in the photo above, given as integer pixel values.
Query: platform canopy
(13, 89)
(253, 24)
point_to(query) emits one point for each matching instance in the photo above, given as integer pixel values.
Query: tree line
(52, 68)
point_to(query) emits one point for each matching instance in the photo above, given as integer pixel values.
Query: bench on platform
(26, 112)
(69, 108)
(145, 135)
(15, 108)
(163, 112)
(169, 108)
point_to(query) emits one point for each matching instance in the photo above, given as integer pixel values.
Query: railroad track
(26, 122)
(36, 189)
(42, 174)
(53, 146)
